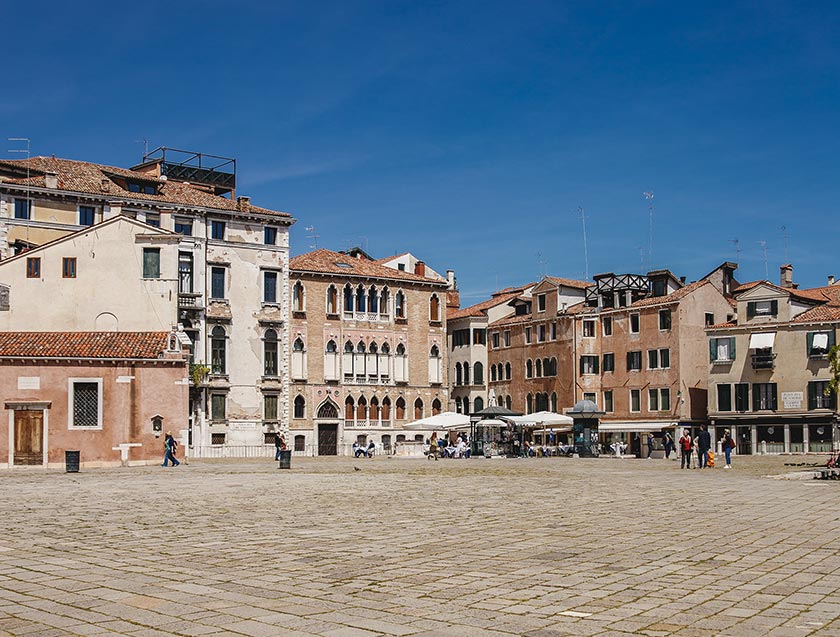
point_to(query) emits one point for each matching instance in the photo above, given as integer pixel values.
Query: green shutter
(581, 365)
(595, 362)
(774, 307)
(712, 350)
(774, 397)
(831, 341)
(756, 403)
(812, 394)
(750, 309)
(732, 348)
(810, 345)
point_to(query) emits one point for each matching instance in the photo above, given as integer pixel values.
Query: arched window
(507, 371)
(373, 349)
(349, 408)
(361, 409)
(347, 362)
(466, 406)
(332, 300)
(553, 366)
(374, 409)
(547, 367)
(466, 373)
(360, 347)
(298, 297)
(434, 308)
(328, 410)
(300, 407)
(373, 300)
(400, 350)
(270, 353)
(386, 409)
(500, 401)
(508, 402)
(331, 361)
(554, 402)
(384, 302)
(457, 373)
(400, 408)
(435, 407)
(529, 369)
(300, 443)
(529, 404)
(332, 348)
(457, 404)
(435, 371)
(418, 409)
(361, 304)
(401, 365)
(539, 368)
(218, 350)
(542, 402)
(478, 404)
(492, 373)
(399, 305)
(348, 298)
(298, 359)
(478, 374)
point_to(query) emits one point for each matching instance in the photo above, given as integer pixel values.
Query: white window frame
(630, 406)
(79, 215)
(607, 320)
(541, 302)
(99, 401)
(594, 326)
(638, 321)
(529, 336)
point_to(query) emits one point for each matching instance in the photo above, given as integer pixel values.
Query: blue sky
(469, 132)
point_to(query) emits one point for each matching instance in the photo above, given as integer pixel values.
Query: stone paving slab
(334, 547)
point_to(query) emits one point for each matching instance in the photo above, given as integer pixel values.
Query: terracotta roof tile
(673, 297)
(327, 262)
(82, 344)
(569, 283)
(480, 309)
(87, 177)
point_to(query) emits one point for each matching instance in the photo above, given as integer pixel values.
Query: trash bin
(71, 461)
(285, 460)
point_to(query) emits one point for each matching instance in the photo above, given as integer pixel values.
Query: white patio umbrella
(543, 419)
(444, 420)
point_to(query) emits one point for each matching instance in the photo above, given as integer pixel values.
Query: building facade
(368, 350)
(768, 369)
(229, 284)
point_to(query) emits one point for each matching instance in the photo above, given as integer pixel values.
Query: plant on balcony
(198, 372)
(834, 368)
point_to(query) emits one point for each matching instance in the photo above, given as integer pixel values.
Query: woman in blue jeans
(727, 445)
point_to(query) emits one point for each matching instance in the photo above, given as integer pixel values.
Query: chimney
(682, 280)
(51, 179)
(420, 268)
(450, 279)
(831, 279)
(453, 299)
(786, 275)
(106, 184)
(243, 203)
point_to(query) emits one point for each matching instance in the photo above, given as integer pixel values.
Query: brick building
(368, 349)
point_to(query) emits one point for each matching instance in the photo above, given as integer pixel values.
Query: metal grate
(217, 439)
(85, 404)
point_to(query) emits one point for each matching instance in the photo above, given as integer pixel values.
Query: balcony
(373, 317)
(367, 380)
(763, 361)
(190, 301)
(366, 424)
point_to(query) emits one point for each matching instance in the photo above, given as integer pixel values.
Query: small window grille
(85, 404)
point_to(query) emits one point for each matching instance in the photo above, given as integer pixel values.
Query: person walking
(650, 445)
(685, 449)
(668, 443)
(728, 445)
(704, 443)
(170, 448)
(279, 444)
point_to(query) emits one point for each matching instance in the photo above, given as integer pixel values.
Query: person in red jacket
(685, 449)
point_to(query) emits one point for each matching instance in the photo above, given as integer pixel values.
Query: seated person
(371, 448)
(358, 450)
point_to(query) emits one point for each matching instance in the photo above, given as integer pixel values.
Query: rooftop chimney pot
(51, 179)
(786, 275)
(420, 268)
(243, 203)
(831, 279)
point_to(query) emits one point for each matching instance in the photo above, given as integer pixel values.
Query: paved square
(539, 547)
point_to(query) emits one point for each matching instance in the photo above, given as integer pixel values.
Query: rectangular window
(86, 215)
(608, 402)
(589, 396)
(85, 403)
(665, 399)
(742, 397)
(664, 358)
(527, 334)
(762, 308)
(724, 397)
(552, 333)
(635, 400)
(269, 287)
(819, 343)
(653, 400)
(185, 273)
(541, 302)
(589, 329)
(23, 208)
(634, 361)
(722, 350)
(479, 337)
(609, 362)
(217, 438)
(817, 396)
(217, 406)
(68, 267)
(217, 283)
(151, 263)
(710, 319)
(270, 403)
(495, 338)
(217, 230)
(606, 325)
(541, 333)
(184, 227)
(664, 319)
(653, 359)
(270, 236)
(588, 364)
(460, 338)
(507, 339)
(634, 323)
(764, 396)
(33, 268)
(152, 220)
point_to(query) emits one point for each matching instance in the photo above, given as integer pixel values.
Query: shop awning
(635, 426)
(762, 340)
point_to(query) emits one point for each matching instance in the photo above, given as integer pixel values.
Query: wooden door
(327, 440)
(29, 437)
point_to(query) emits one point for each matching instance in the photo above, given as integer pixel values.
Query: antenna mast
(649, 197)
(763, 245)
(585, 247)
(28, 194)
(786, 236)
(314, 236)
(737, 248)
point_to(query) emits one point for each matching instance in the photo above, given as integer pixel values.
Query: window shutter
(595, 364)
(732, 348)
(831, 340)
(712, 350)
(581, 365)
(774, 307)
(774, 403)
(810, 346)
(756, 402)
(750, 309)
(629, 361)
(812, 393)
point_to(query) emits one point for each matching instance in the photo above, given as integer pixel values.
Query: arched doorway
(326, 421)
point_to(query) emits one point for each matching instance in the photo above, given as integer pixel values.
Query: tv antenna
(763, 245)
(585, 247)
(145, 143)
(28, 194)
(737, 248)
(649, 196)
(641, 258)
(786, 236)
(540, 265)
(314, 236)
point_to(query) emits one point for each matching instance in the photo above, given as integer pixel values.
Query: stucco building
(768, 369)
(228, 283)
(368, 349)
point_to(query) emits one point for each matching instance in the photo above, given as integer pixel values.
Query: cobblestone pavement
(539, 547)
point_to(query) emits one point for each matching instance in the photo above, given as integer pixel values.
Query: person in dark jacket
(279, 444)
(704, 443)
